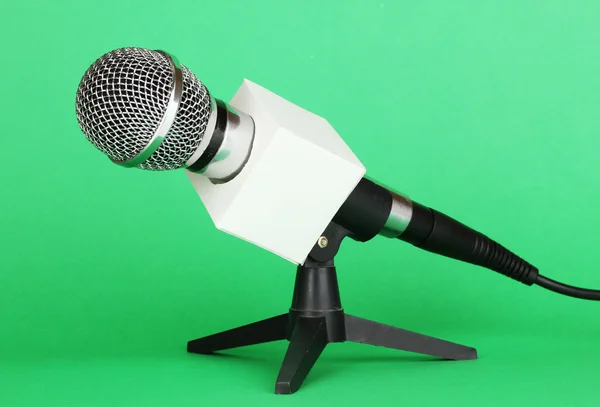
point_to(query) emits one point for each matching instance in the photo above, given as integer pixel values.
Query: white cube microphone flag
(280, 177)
(294, 151)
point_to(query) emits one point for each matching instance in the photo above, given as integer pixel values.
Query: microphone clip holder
(316, 318)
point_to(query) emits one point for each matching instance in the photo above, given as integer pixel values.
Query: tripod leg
(373, 333)
(308, 340)
(267, 330)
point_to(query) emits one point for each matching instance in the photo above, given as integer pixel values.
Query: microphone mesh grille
(121, 101)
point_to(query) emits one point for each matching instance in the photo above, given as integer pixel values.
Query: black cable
(560, 288)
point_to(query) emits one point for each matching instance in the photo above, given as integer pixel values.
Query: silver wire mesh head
(122, 99)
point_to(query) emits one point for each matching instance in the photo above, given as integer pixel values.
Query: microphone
(144, 109)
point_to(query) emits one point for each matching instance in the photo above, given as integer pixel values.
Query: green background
(488, 111)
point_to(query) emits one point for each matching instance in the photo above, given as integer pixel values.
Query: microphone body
(266, 170)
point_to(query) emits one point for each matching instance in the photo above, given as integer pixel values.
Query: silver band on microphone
(226, 146)
(168, 118)
(400, 215)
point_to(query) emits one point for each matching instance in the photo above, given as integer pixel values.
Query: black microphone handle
(366, 211)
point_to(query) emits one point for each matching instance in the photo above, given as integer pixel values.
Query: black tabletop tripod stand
(317, 318)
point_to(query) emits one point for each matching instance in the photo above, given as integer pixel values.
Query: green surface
(488, 111)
